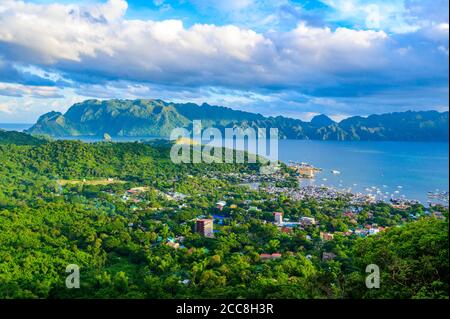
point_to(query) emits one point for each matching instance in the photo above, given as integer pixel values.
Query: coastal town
(252, 198)
(142, 226)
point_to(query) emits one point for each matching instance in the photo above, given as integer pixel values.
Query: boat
(335, 172)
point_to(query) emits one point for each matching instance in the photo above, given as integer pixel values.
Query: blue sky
(291, 58)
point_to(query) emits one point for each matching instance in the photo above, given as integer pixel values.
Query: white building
(278, 218)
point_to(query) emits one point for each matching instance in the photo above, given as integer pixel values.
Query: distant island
(132, 118)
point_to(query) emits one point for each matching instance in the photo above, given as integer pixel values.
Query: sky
(278, 57)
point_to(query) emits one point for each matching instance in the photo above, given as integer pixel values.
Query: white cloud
(98, 52)
(322, 47)
(27, 108)
(18, 90)
(5, 108)
(392, 16)
(99, 40)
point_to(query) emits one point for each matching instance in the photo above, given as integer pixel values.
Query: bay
(411, 169)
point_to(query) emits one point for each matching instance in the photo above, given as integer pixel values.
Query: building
(326, 236)
(205, 227)
(307, 221)
(220, 205)
(269, 256)
(173, 244)
(278, 218)
(286, 230)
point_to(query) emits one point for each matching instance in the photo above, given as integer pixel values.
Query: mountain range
(158, 118)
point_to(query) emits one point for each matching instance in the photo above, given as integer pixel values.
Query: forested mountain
(158, 118)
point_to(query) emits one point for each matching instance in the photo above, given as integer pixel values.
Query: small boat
(335, 172)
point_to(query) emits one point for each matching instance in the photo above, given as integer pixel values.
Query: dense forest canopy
(67, 202)
(18, 138)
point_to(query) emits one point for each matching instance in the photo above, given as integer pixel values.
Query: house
(132, 191)
(265, 256)
(180, 239)
(221, 204)
(178, 196)
(278, 218)
(185, 282)
(326, 236)
(286, 230)
(307, 221)
(205, 227)
(173, 244)
(400, 206)
(269, 256)
(349, 214)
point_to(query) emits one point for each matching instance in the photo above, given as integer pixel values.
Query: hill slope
(18, 138)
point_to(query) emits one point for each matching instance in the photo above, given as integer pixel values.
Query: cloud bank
(47, 50)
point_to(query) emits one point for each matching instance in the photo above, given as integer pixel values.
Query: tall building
(278, 218)
(204, 227)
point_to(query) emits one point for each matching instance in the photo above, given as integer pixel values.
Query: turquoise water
(414, 166)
